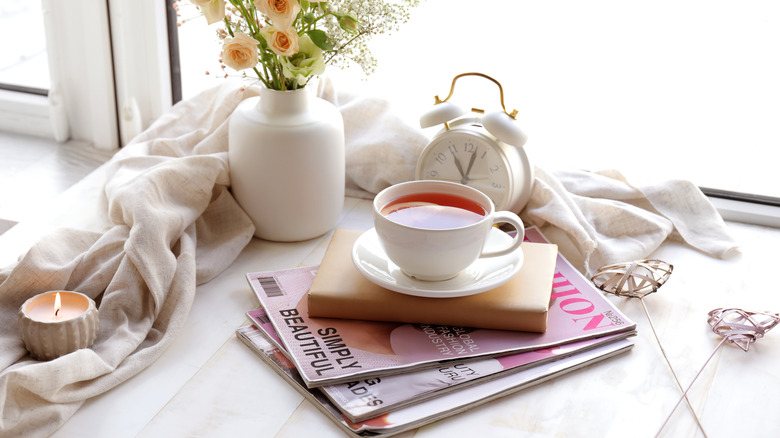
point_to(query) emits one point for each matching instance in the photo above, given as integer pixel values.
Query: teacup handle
(506, 217)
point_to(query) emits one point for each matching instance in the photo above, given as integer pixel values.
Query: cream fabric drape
(170, 223)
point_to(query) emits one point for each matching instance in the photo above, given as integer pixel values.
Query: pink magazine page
(427, 411)
(327, 350)
(576, 296)
(260, 320)
(372, 396)
(455, 402)
(276, 358)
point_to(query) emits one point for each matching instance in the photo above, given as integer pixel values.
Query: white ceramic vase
(286, 155)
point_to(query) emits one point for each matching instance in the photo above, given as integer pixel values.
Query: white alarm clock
(484, 151)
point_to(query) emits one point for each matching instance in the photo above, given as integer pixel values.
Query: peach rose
(213, 10)
(240, 52)
(282, 13)
(282, 42)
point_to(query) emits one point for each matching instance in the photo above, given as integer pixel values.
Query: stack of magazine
(380, 378)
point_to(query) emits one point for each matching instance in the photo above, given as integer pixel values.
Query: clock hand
(460, 169)
(471, 164)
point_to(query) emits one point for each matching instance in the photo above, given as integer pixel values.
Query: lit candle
(56, 323)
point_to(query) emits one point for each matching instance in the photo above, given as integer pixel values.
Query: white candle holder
(49, 333)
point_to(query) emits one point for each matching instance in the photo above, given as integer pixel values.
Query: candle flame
(57, 304)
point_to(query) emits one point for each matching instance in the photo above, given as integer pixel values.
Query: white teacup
(433, 230)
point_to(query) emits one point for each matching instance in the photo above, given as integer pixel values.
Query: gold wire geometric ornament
(741, 327)
(735, 326)
(638, 279)
(635, 279)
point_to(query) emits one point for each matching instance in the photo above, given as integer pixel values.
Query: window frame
(745, 207)
(133, 59)
(110, 73)
(142, 62)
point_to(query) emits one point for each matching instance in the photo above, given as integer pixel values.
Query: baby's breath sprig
(287, 42)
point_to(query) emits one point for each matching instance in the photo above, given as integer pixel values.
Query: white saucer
(483, 275)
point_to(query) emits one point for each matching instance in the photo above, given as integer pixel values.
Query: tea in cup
(433, 230)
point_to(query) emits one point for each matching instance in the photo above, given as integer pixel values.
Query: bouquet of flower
(287, 42)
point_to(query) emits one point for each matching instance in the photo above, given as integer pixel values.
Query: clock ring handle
(506, 217)
(513, 114)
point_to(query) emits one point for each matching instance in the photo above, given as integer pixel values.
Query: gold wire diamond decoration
(633, 279)
(741, 327)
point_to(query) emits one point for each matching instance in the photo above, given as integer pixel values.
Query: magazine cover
(413, 416)
(328, 351)
(370, 397)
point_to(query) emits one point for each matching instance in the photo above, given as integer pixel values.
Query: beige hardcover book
(340, 291)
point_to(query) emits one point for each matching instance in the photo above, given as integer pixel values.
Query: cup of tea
(433, 230)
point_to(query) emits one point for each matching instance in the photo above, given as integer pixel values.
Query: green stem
(229, 29)
(333, 53)
(313, 24)
(261, 77)
(249, 16)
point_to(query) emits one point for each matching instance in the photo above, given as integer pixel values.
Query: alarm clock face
(468, 157)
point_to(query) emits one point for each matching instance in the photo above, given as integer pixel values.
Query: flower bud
(348, 23)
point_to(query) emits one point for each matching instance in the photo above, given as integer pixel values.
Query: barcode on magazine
(270, 287)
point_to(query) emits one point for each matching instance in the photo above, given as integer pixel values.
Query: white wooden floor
(33, 171)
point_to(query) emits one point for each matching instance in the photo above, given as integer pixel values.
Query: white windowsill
(25, 113)
(747, 212)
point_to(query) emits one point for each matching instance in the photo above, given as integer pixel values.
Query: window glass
(199, 51)
(658, 90)
(23, 58)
